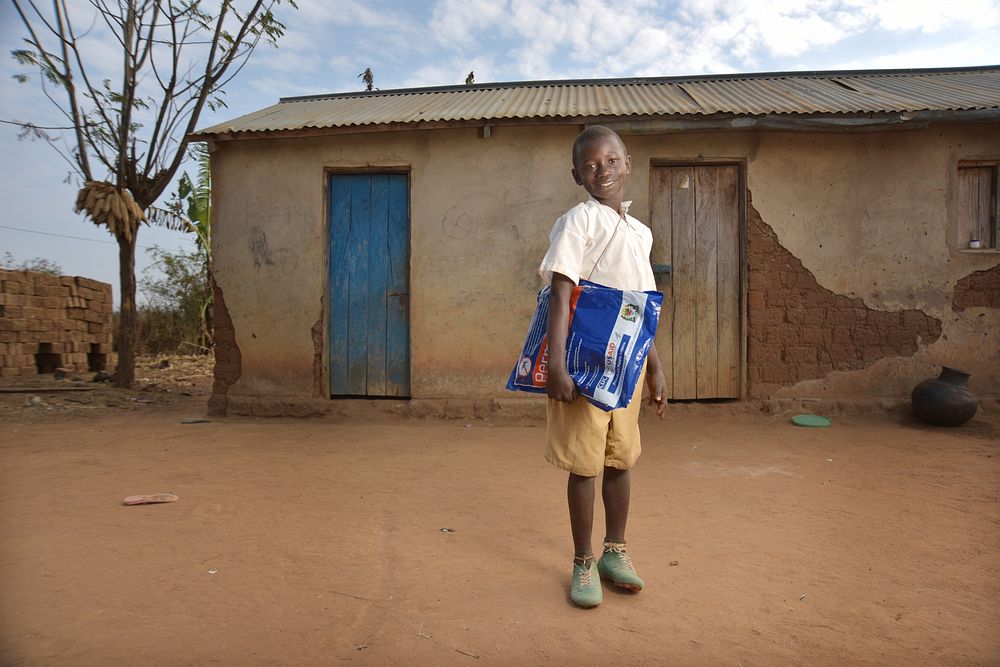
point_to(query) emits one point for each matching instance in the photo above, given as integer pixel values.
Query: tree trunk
(125, 375)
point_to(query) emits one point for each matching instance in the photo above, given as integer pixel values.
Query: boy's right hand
(560, 386)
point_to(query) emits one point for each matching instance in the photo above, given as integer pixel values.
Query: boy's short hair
(591, 133)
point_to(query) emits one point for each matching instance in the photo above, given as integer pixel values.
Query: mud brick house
(826, 235)
(49, 322)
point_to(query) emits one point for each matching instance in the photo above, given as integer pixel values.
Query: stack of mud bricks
(49, 322)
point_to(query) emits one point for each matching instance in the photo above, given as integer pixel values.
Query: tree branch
(108, 122)
(66, 75)
(37, 127)
(168, 92)
(212, 74)
(127, 93)
(93, 95)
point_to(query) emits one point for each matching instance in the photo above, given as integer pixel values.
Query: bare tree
(126, 132)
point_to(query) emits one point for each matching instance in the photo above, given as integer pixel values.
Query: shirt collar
(624, 211)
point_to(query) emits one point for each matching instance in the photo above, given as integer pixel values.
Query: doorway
(369, 285)
(696, 214)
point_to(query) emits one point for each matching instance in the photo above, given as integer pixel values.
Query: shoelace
(585, 577)
(623, 555)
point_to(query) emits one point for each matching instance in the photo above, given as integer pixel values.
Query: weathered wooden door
(695, 217)
(369, 285)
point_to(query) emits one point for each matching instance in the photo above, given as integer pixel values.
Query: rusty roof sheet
(842, 92)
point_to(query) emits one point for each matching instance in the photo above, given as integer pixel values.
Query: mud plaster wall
(481, 210)
(869, 216)
(49, 322)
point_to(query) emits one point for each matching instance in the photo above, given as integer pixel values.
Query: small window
(977, 205)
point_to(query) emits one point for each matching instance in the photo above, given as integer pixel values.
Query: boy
(596, 240)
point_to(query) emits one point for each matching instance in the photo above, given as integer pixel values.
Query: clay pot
(945, 400)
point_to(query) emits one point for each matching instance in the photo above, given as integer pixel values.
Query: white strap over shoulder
(621, 216)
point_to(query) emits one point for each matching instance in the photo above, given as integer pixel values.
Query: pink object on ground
(150, 499)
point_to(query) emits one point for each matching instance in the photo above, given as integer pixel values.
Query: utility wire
(63, 236)
(67, 236)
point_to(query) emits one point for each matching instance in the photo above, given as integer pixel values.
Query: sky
(412, 43)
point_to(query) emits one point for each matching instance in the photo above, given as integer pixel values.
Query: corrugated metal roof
(840, 92)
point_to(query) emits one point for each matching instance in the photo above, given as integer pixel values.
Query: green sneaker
(585, 590)
(616, 567)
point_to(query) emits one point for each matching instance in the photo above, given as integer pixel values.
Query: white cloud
(638, 35)
(433, 74)
(927, 15)
(326, 45)
(981, 48)
(791, 35)
(542, 27)
(348, 13)
(452, 72)
(292, 61)
(455, 22)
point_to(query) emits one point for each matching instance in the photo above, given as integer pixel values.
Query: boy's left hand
(657, 386)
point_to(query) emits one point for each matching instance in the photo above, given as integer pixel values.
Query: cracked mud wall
(228, 364)
(868, 218)
(979, 289)
(318, 366)
(874, 218)
(269, 258)
(799, 330)
(868, 225)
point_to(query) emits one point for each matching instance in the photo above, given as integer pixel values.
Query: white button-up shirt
(583, 244)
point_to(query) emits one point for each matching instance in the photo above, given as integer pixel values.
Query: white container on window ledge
(975, 244)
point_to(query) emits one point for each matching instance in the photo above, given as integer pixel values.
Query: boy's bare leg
(616, 489)
(580, 492)
(615, 564)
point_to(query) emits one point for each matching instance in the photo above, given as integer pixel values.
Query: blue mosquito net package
(610, 331)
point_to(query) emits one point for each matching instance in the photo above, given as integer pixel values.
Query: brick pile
(49, 322)
(799, 330)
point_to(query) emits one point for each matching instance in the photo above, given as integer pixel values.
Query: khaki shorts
(584, 439)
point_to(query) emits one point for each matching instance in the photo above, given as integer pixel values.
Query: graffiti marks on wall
(519, 196)
(265, 254)
(490, 216)
(457, 223)
(258, 248)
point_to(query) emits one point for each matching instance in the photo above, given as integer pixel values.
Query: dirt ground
(160, 381)
(319, 542)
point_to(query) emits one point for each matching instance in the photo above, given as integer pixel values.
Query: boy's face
(601, 168)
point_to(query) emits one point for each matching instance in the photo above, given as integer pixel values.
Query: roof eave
(655, 80)
(655, 124)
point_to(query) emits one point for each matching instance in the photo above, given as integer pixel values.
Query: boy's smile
(601, 168)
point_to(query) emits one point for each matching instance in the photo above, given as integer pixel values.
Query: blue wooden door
(369, 285)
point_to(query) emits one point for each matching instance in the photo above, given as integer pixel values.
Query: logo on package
(630, 312)
(524, 368)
